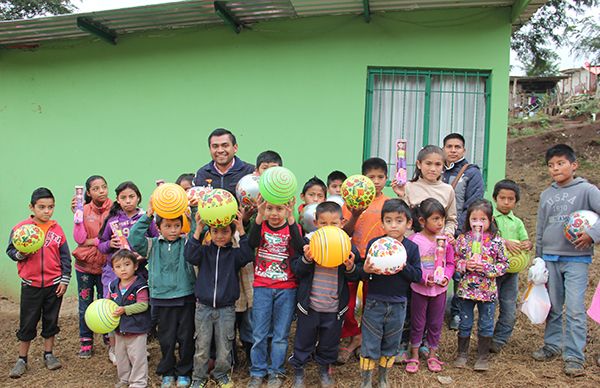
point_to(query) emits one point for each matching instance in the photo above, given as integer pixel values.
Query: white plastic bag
(536, 303)
(538, 274)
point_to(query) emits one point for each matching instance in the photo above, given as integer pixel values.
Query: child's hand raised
(261, 206)
(199, 226)
(399, 190)
(307, 253)
(349, 261)
(150, 210)
(239, 223)
(193, 201)
(289, 208)
(73, 203)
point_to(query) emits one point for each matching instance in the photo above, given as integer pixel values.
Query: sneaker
(275, 381)
(121, 384)
(496, 347)
(199, 383)
(225, 382)
(18, 370)
(183, 381)
(454, 322)
(51, 362)
(574, 368)
(544, 354)
(255, 382)
(167, 382)
(111, 355)
(326, 378)
(85, 351)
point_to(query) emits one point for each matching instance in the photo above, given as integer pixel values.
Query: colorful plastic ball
(169, 200)
(330, 246)
(247, 190)
(278, 185)
(579, 221)
(387, 254)
(358, 192)
(99, 316)
(308, 220)
(517, 262)
(28, 238)
(218, 208)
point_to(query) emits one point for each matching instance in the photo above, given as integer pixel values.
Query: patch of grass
(524, 132)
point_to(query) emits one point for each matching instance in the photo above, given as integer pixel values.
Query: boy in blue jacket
(322, 301)
(217, 288)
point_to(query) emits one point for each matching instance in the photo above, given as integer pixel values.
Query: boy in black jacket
(385, 307)
(217, 289)
(322, 300)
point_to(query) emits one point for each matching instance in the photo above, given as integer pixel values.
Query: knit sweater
(417, 192)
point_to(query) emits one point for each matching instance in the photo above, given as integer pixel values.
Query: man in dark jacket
(225, 170)
(468, 189)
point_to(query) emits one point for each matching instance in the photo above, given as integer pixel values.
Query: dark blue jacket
(217, 283)
(136, 323)
(227, 181)
(305, 271)
(394, 288)
(469, 189)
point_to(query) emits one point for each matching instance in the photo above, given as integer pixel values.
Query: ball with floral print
(358, 192)
(579, 221)
(218, 208)
(387, 255)
(28, 238)
(247, 190)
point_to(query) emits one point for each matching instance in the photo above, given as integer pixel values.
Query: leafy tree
(586, 39)
(22, 9)
(549, 27)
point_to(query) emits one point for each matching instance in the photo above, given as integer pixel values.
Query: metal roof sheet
(181, 14)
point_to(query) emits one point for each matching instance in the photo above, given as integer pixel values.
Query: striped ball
(277, 185)
(330, 246)
(169, 200)
(99, 316)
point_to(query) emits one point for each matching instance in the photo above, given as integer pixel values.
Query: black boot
(483, 354)
(463, 352)
(325, 376)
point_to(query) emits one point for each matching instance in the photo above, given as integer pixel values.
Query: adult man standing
(467, 181)
(225, 170)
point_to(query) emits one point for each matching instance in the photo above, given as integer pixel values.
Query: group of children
(186, 286)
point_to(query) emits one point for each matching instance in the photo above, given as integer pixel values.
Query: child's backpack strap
(459, 175)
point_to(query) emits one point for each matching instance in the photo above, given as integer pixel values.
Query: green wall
(142, 110)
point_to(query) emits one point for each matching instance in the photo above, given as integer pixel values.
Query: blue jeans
(485, 324)
(221, 323)
(85, 290)
(567, 283)
(272, 312)
(508, 290)
(382, 324)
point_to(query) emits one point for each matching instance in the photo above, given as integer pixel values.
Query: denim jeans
(485, 324)
(382, 324)
(567, 283)
(508, 290)
(85, 290)
(217, 323)
(272, 312)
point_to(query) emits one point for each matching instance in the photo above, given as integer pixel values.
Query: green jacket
(169, 274)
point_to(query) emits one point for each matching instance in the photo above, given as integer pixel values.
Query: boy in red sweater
(45, 276)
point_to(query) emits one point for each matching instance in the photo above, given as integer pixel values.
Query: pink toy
(401, 177)
(78, 216)
(477, 238)
(116, 228)
(440, 259)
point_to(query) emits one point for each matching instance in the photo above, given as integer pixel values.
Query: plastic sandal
(412, 365)
(401, 357)
(434, 364)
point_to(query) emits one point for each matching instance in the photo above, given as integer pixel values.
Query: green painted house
(132, 94)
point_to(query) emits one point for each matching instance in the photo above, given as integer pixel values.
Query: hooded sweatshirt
(88, 258)
(556, 204)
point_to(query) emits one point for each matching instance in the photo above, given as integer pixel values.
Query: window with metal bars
(423, 106)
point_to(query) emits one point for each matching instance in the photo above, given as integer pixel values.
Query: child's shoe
(19, 369)
(383, 377)
(111, 355)
(167, 382)
(199, 383)
(483, 354)
(463, 352)
(183, 381)
(51, 362)
(298, 378)
(496, 347)
(225, 382)
(275, 381)
(255, 382)
(574, 368)
(544, 354)
(325, 376)
(85, 351)
(367, 376)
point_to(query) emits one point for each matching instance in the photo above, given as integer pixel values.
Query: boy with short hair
(267, 159)
(567, 262)
(278, 239)
(385, 306)
(363, 225)
(334, 182)
(322, 301)
(171, 282)
(45, 276)
(506, 195)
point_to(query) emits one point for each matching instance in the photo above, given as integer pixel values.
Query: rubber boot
(463, 352)
(326, 377)
(366, 372)
(385, 363)
(298, 378)
(483, 354)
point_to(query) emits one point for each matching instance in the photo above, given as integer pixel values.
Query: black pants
(455, 303)
(35, 303)
(325, 328)
(176, 326)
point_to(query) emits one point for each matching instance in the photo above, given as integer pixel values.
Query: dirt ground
(512, 368)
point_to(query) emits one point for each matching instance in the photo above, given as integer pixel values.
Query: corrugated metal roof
(183, 14)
